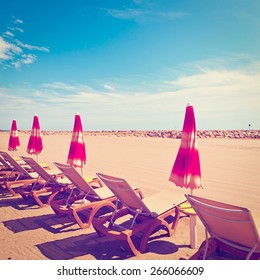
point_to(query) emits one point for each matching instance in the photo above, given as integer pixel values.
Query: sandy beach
(230, 171)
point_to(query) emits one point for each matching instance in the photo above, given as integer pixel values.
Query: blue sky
(130, 64)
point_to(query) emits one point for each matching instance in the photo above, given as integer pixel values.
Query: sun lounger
(4, 166)
(12, 162)
(12, 168)
(53, 183)
(85, 200)
(232, 229)
(17, 176)
(139, 217)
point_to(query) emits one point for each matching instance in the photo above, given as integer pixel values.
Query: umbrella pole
(37, 158)
(193, 229)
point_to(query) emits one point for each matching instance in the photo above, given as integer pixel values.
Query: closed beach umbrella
(186, 169)
(14, 142)
(77, 151)
(35, 146)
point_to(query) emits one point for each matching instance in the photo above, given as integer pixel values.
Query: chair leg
(148, 232)
(38, 200)
(95, 208)
(211, 249)
(175, 222)
(10, 189)
(131, 245)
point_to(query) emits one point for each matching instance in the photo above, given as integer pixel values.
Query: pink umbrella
(35, 142)
(186, 169)
(77, 151)
(14, 142)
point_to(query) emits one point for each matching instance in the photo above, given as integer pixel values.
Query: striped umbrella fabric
(77, 151)
(35, 146)
(14, 142)
(186, 170)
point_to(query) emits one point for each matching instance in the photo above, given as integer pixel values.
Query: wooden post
(193, 231)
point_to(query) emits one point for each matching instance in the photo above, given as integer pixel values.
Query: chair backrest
(77, 180)
(230, 224)
(38, 169)
(15, 164)
(5, 163)
(124, 193)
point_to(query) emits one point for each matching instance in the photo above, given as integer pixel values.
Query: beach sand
(230, 171)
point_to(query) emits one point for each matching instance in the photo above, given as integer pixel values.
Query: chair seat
(64, 180)
(162, 201)
(104, 192)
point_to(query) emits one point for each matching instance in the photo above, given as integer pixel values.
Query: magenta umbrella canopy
(77, 151)
(186, 169)
(14, 142)
(35, 146)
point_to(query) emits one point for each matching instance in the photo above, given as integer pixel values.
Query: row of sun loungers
(117, 210)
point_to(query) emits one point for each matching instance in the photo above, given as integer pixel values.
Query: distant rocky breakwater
(172, 134)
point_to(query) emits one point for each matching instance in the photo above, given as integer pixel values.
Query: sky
(130, 64)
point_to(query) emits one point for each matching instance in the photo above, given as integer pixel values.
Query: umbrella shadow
(163, 247)
(49, 222)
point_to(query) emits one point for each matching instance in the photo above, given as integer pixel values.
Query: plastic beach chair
(232, 229)
(53, 183)
(4, 166)
(15, 166)
(138, 217)
(17, 176)
(85, 198)
(11, 161)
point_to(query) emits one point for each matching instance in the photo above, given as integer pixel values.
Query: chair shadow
(100, 248)
(19, 203)
(49, 222)
(4, 194)
(16, 202)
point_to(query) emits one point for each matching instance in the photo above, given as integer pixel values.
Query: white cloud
(30, 47)
(8, 50)
(13, 52)
(19, 29)
(15, 29)
(109, 87)
(8, 33)
(214, 79)
(18, 21)
(4, 49)
(28, 58)
(64, 87)
(144, 15)
(222, 98)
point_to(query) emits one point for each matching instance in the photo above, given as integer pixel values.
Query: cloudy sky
(130, 64)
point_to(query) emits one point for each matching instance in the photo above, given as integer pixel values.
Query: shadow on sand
(100, 248)
(49, 222)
